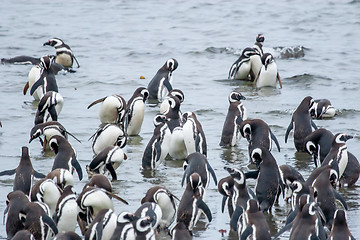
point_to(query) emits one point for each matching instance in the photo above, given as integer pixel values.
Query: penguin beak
(347, 137)
(47, 43)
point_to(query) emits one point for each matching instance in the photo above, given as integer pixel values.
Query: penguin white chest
(109, 110)
(137, 118)
(33, 76)
(243, 71)
(267, 77)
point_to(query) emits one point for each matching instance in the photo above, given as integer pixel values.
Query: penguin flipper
(313, 124)
(284, 229)
(247, 232)
(76, 165)
(26, 87)
(223, 202)
(251, 193)
(8, 172)
(291, 216)
(290, 127)
(111, 169)
(99, 230)
(38, 174)
(257, 77)
(21, 60)
(252, 174)
(275, 140)
(50, 223)
(184, 175)
(73, 136)
(167, 84)
(235, 217)
(95, 102)
(53, 113)
(117, 197)
(202, 205)
(239, 120)
(78, 65)
(340, 199)
(37, 84)
(211, 170)
(278, 78)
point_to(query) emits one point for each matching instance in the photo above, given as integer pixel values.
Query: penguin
(103, 226)
(158, 146)
(323, 109)
(151, 210)
(268, 74)
(49, 129)
(231, 131)
(143, 229)
(23, 235)
(180, 232)
(135, 109)
(49, 107)
(255, 59)
(33, 75)
(24, 173)
(259, 44)
(124, 226)
(19, 60)
(197, 163)
(267, 178)
(64, 54)
(240, 69)
(164, 106)
(333, 166)
(226, 189)
(351, 172)
(258, 134)
(177, 147)
(65, 155)
(67, 236)
(318, 144)
(340, 229)
(174, 119)
(166, 201)
(46, 191)
(288, 175)
(66, 210)
(191, 203)
(109, 160)
(194, 136)
(62, 177)
(108, 135)
(46, 82)
(301, 122)
(112, 110)
(160, 84)
(99, 181)
(257, 226)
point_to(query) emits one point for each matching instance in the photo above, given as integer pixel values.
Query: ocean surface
(315, 45)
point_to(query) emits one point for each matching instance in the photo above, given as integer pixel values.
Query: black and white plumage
(288, 175)
(268, 74)
(143, 229)
(24, 173)
(301, 123)
(160, 84)
(108, 160)
(49, 107)
(231, 131)
(322, 109)
(125, 227)
(67, 236)
(64, 54)
(23, 235)
(177, 147)
(158, 146)
(46, 191)
(180, 232)
(164, 106)
(112, 109)
(340, 229)
(318, 144)
(240, 69)
(103, 226)
(65, 155)
(226, 189)
(194, 136)
(172, 113)
(99, 181)
(151, 210)
(135, 109)
(108, 135)
(259, 40)
(62, 177)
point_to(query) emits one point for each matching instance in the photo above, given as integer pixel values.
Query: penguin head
(54, 143)
(145, 93)
(121, 141)
(256, 156)
(245, 130)
(303, 200)
(143, 224)
(237, 175)
(310, 147)
(248, 52)
(177, 93)
(195, 181)
(339, 217)
(267, 59)
(236, 97)
(341, 138)
(159, 119)
(54, 42)
(260, 38)
(45, 62)
(126, 217)
(296, 186)
(226, 188)
(35, 133)
(171, 64)
(252, 206)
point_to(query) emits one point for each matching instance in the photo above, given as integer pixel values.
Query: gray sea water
(315, 44)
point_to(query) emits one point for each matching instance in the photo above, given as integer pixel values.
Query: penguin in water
(323, 109)
(288, 175)
(240, 69)
(318, 144)
(174, 119)
(65, 155)
(24, 173)
(103, 226)
(164, 106)
(340, 229)
(135, 109)
(64, 54)
(180, 232)
(109, 160)
(143, 229)
(255, 59)
(108, 135)
(158, 146)
(160, 84)
(99, 181)
(151, 210)
(66, 210)
(268, 74)
(194, 136)
(124, 226)
(62, 177)
(46, 191)
(301, 122)
(258, 45)
(112, 110)
(226, 188)
(231, 131)
(49, 107)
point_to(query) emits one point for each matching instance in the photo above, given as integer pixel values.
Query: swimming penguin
(64, 55)
(197, 163)
(323, 109)
(46, 191)
(288, 175)
(301, 122)
(160, 84)
(191, 203)
(62, 177)
(152, 210)
(268, 74)
(194, 136)
(231, 131)
(112, 109)
(257, 226)
(143, 229)
(135, 108)
(109, 160)
(49, 107)
(164, 106)
(258, 134)
(267, 178)
(66, 210)
(240, 69)
(226, 188)
(99, 181)
(67, 236)
(318, 144)
(180, 232)
(49, 129)
(340, 229)
(65, 155)
(158, 146)
(24, 173)
(23, 235)
(166, 201)
(103, 226)
(108, 135)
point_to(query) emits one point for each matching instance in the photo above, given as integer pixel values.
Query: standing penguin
(108, 135)
(112, 109)
(135, 108)
(172, 113)
(46, 191)
(318, 144)
(255, 59)
(240, 69)
(226, 188)
(160, 84)
(165, 105)
(24, 173)
(180, 232)
(301, 123)
(194, 136)
(268, 74)
(66, 210)
(258, 45)
(62, 177)
(340, 229)
(49, 107)
(323, 109)
(64, 55)
(151, 210)
(103, 226)
(124, 226)
(288, 175)
(231, 131)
